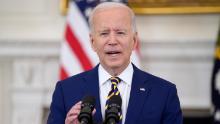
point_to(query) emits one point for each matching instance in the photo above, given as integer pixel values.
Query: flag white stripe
(81, 30)
(69, 60)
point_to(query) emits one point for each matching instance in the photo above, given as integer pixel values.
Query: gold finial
(64, 4)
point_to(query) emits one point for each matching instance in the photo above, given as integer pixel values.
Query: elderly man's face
(113, 38)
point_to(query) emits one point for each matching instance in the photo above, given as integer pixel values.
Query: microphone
(88, 104)
(114, 107)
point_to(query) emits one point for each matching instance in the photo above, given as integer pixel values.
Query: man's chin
(115, 66)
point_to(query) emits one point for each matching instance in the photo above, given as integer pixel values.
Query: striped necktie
(114, 91)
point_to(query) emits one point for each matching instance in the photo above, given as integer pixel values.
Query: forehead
(115, 17)
(113, 11)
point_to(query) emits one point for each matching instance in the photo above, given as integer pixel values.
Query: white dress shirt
(124, 88)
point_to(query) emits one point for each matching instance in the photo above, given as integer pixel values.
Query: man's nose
(112, 39)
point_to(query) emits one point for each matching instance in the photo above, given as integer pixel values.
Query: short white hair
(107, 5)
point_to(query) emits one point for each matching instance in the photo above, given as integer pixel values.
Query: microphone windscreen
(89, 99)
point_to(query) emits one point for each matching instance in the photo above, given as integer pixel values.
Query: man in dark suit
(146, 99)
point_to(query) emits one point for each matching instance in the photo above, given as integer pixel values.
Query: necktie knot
(115, 80)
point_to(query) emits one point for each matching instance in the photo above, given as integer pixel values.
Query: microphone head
(88, 104)
(115, 99)
(113, 109)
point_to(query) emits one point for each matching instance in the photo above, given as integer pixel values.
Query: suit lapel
(92, 88)
(138, 94)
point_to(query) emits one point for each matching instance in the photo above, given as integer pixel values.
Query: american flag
(215, 83)
(76, 53)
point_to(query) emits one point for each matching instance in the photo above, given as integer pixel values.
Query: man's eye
(103, 34)
(121, 33)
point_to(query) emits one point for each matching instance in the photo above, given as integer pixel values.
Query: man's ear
(136, 40)
(92, 42)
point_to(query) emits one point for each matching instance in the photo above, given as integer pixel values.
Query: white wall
(180, 48)
(31, 20)
(195, 27)
(176, 47)
(5, 83)
(30, 36)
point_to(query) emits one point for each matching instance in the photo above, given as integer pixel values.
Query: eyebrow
(121, 30)
(117, 29)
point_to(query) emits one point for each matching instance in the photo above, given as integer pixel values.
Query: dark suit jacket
(152, 99)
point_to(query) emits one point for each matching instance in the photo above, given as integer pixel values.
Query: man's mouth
(113, 53)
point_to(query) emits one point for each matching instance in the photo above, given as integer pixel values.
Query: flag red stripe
(77, 49)
(63, 73)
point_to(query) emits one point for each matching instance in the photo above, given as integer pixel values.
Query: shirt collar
(125, 76)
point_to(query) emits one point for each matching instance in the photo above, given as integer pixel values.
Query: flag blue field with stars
(87, 5)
